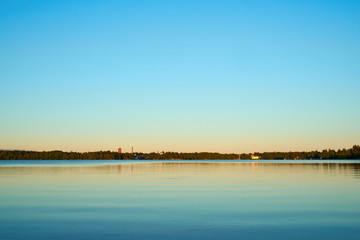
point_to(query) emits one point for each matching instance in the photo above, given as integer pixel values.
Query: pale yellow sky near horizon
(193, 144)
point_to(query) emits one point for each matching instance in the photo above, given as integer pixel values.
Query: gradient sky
(219, 76)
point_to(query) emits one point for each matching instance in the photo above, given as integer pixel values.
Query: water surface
(179, 199)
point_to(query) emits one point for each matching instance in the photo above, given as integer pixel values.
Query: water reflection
(227, 169)
(177, 200)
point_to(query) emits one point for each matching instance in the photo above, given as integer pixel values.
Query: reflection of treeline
(352, 153)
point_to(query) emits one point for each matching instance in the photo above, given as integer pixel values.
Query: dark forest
(351, 153)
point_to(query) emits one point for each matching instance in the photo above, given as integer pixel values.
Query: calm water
(179, 200)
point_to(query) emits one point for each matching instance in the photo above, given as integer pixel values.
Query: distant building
(253, 157)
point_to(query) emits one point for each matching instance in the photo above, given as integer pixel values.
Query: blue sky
(222, 76)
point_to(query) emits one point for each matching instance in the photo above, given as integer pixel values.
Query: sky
(185, 76)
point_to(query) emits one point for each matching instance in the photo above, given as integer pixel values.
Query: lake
(179, 199)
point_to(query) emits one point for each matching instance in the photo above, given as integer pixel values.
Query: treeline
(352, 153)
(190, 156)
